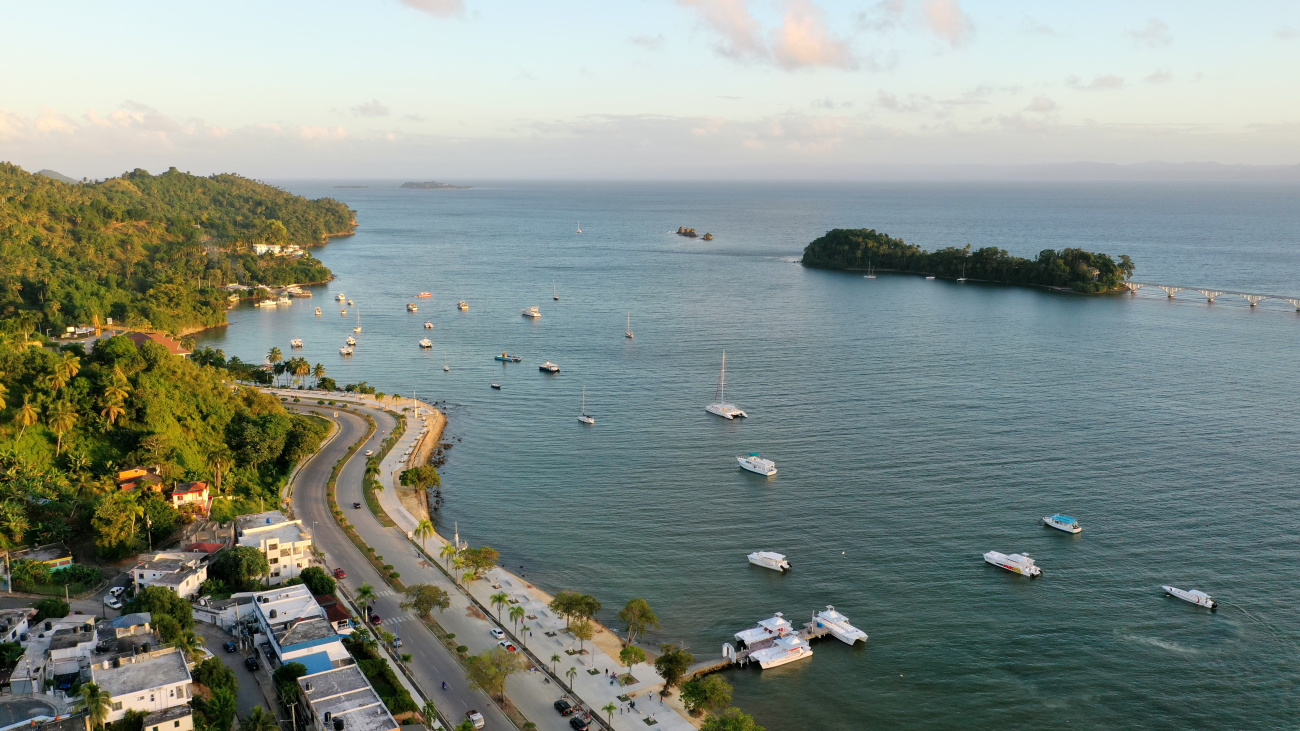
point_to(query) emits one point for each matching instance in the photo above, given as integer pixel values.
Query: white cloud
(1286, 33)
(883, 16)
(439, 8)
(1042, 105)
(947, 20)
(1032, 27)
(802, 40)
(372, 108)
(1155, 34)
(1160, 76)
(1108, 82)
(649, 43)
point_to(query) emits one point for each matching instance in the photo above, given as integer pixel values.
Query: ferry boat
(755, 463)
(719, 405)
(462, 305)
(424, 295)
(295, 343)
(1195, 596)
(352, 340)
(549, 367)
(340, 297)
(782, 651)
(346, 350)
(768, 629)
(1017, 563)
(507, 358)
(582, 415)
(318, 312)
(1062, 522)
(410, 307)
(426, 343)
(266, 303)
(770, 560)
(428, 325)
(839, 626)
(532, 312)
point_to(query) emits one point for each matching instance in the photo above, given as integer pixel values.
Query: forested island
(435, 185)
(1076, 269)
(150, 251)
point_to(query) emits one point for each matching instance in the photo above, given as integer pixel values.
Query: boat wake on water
(1162, 644)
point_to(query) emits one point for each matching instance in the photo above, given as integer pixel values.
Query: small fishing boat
(497, 386)
(426, 343)
(757, 464)
(1062, 522)
(318, 312)
(720, 405)
(1018, 563)
(462, 305)
(582, 415)
(1195, 596)
(507, 358)
(350, 303)
(340, 297)
(428, 325)
(628, 332)
(555, 294)
(424, 295)
(295, 343)
(770, 560)
(343, 313)
(532, 312)
(549, 367)
(346, 350)
(410, 307)
(445, 367)
(352, 340)
(266, 303)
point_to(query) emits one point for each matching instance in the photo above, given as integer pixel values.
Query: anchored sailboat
(720, 405)
(555, 294)
(629, 325)
(582, 415)
(357, 329)
(579, 226)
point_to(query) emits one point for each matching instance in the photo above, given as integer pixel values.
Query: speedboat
(497, 386)
(462, 305)
(769, 560)
(755, 463)
(426, 343)
(428, 325)
(410, 307)
(532, 312)
(350, 303)
(507, 358)
(424, 295)
(839, 626)
(318, 312)
(1062, 522)
(340, 297)
(295, 343)
(1017, 563)
(346, 350)
(720, 405)
(549, 367)
(1195, 596)
(352, 340)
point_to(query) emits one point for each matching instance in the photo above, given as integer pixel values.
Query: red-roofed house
(171, 345)
(208, 548)
(335, 613)
(190, 493)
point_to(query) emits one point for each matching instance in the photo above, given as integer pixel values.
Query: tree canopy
(240, 567)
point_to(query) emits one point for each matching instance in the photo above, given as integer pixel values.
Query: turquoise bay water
(916, 424)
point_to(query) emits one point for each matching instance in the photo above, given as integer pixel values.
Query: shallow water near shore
(916, 424)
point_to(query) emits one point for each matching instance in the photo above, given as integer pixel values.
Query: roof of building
(204, 547)
(79, 722)
(334, 611)
(48, 552)
(14, 616)
(304, 630)
(171, 345)
(167, 714)
(169, 561)
(259, 520)
(187, 488)
(141, 673)
(317, 662)
(125, 621)
(71, 637)
(282, 532)
(344, 693)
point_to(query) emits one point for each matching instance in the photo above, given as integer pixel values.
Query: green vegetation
(172, 615)
(214, 711)
(630, 655)
(489, 670)
(1079, 270)
(69, 421)
(639, 617)
(147, 250)
(96, 703)
(379, 673)
(240, 568)
(424, 598)
(573, 606)
(708, 694)
(424, 477)
(672, 664)
(732, 719)
(318, 581)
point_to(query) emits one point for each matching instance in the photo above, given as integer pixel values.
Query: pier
(1210, 295)
(731, 656)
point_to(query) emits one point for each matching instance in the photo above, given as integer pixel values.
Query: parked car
(374, 618)
(508, 645)
(564, 707)
(475, 718)
(231, 646)
(252, 664)
(340, 574)
(397, 642)
(112, 602)
(116, 591)
(578, 724)
(356, 506)
(497, 633)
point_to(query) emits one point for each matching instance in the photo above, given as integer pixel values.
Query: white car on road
(112, 602)
(116, 591)
(497, 633)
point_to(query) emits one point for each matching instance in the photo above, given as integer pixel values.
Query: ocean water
(916, 424)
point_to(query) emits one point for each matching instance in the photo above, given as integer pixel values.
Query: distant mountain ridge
(435, 185)
(56, 175)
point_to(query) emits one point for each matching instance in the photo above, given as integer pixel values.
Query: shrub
(50, 608)
(462, 649)
(394, 575)
(388, 567)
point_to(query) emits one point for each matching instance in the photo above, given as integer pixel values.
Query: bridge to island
(1211, 295)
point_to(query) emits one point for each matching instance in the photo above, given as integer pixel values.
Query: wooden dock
(809, 632)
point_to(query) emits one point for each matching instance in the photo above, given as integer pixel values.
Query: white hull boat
(318, 312)
(783, 651)
(1063, 523)
(770, 560)
(462, 305)
(426, 343)
(757, 464)
(296, 343)
(582, 415)
(428, 325)
(839, 626)
(1195, 596)
(720, 405)
(346, 350)
(351, 340)
(340, 297)
(532, 312)
(1017, 563)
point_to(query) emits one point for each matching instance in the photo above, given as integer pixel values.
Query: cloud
(413, 117)
(1108, 82)
(1032, 27)
(1286, 33)
(803, 40)
(947, 20)
(1160, 76)
(649, 43)
(439, 8)
(1154, 34)
(913, 103)
(372, 108)
(829, 103)
(1042, 105)
(883, 16)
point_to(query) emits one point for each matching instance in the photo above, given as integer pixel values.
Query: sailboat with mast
(579, 226)
(582, 415)
(357, 329)
(628, 333)
(445, 367)
(555, 294)
(871, 271)
(720, 405)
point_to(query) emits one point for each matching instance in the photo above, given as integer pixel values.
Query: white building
(299, 630)
(13, 624)
(176, 718)
(183, 573)
(150, 681)
(342, 700)
(286, 543)
(53, 654)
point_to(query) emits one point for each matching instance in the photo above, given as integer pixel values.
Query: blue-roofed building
(298, 630)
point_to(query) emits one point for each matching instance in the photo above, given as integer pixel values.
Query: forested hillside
(858, 249)
(148, 250)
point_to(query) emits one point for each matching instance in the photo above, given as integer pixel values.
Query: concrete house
(298, 629)
(152, 681)
(183, 573)
(286, 543)
(343, 700)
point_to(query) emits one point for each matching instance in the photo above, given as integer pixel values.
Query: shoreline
(1048, 287)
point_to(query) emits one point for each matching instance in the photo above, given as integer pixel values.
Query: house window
(117, 705)
(275, 561)
(180, 693)
(178, 725)
(286, 552)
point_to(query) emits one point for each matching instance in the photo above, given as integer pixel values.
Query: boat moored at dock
(782, 651)
(757, 464)
(1063, 523)
(770, 560)
(1018, 563)
(839, 626)
(1195, 596)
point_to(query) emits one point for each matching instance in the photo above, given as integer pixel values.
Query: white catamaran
(720, 405)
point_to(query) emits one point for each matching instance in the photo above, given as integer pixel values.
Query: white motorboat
(782, 651)
(768, 629)
(428, 325)
(266, 303)
(445, 368)
(628, 332)
(1062, 522)
(1195, 596)
(410, 307)
(340, 297)
(462, 305)
(755, 463)
(426, 343)
(770, 560)
(352, 340)
(295, 343)
(1017, 563)
(346, 350)
(839, 626)
(283, 300)
(318, 312)
(582, 415)
(719, 405)
(532, 312)
(549, 367)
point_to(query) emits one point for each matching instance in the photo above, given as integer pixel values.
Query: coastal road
(433, 663)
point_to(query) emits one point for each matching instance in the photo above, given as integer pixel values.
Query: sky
(643, 89)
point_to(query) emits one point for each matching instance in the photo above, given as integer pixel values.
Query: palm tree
(112, 410)
(274, 356)
(499, 600)
(609, 709)
(67, 367)
(424, 530)
(188, 643)
(554, 659)
(27, 415)
(3, 390)
(219, 460)
(318, 373)
(571, 673)
(96, 703)
(447, 553)
(517, 613)
(458, 564)
(61, 419)
(366, 594)
(259, 720)
(301, 368)
(430, 712)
